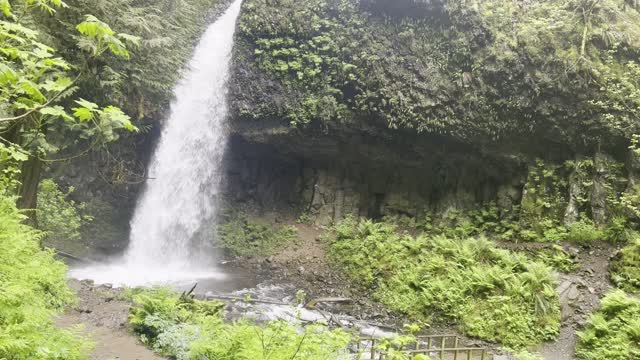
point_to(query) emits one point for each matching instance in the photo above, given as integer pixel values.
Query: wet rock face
(330, 176)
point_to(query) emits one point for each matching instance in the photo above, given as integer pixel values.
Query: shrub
(184, 328)
(613, 332)
(584, 232)
(492, 293)
(557, 258)
(33, 290)
(618, 231)
(625, 268)
(243, 237)
(58, 216)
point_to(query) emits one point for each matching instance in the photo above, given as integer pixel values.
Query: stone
(573, 293)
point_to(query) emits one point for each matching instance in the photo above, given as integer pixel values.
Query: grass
(613, 332)
(491, 293)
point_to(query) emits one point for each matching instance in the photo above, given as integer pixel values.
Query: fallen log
(314, 303)
(71, 257)
(247, 300)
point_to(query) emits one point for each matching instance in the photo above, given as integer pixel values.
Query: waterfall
(184, 177)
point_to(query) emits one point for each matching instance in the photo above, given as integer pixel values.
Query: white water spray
(184, 176)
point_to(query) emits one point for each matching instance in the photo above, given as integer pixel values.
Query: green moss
(613, 332)
(493, 294)
(625, 268)
(242, 236)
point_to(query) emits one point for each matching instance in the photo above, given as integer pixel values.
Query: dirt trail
(104, 317)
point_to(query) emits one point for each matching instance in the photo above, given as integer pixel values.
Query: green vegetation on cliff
(487, 70)
(243, 236)
(33, 290)
(491, 293)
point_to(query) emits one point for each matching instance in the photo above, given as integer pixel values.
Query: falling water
(179, 201)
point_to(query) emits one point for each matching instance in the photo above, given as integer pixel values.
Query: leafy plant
(60, 217)
(613, 332)
(37, 86)
(34, 291)
(242, 236)
(178, 327)
(557, 258)
(492, 293)
(625, 268)
(584, 232)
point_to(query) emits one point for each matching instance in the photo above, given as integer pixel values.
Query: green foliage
(612, 333)
(584, 232)
(58, 216)
(33, 291)
(189, 329)
(630, 201)
(35, 83)
(244, 237)
(141, 80)
(10, 159)
(557, 258)
(544, 198)
(618, 231)
(625, 268)
(492, 293)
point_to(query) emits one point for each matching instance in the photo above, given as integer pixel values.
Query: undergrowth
(557, 258)
(508, 225)
(493, 294)
(184, 328)
(242, 236)
(33, 290)
(60, 217)
(613, 332)
(625, 268)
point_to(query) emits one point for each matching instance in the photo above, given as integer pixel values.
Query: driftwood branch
(237, 298)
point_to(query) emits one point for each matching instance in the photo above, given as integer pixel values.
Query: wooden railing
(446, 347)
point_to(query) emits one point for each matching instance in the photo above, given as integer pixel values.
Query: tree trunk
(28, 200)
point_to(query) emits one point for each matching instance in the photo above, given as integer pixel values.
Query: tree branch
(49, 102)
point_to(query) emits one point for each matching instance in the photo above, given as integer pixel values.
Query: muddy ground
(102, 314)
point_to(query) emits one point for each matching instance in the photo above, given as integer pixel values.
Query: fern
(32, 291)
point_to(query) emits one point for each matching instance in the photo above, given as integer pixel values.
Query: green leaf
(85, 111)
(31, 89)
(56, 111)
(5, 7)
